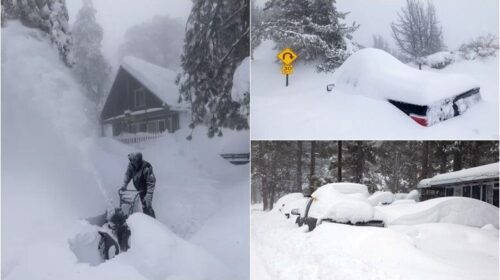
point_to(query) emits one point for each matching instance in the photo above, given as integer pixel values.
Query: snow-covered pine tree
(312, 28)
(51, 16)
(216, 42)
(90, 68)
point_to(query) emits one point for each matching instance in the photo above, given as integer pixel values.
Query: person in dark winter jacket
(141, 174)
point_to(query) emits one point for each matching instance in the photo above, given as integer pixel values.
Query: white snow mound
(158, 253)
(283, 204)
(453, 210)
(380, 197)
(377, 74)
(348, 206)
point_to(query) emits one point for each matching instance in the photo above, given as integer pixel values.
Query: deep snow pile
(376, 73)
(304, 109)
(281, 250)
(55, 173)
(455, 210)
(381, 197)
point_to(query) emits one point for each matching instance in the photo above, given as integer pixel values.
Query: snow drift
(375, 73)
(455, 210)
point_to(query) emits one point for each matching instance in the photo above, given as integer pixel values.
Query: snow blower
(115, 232)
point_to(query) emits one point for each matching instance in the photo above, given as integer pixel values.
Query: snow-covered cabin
(479, 182)
(143, 103)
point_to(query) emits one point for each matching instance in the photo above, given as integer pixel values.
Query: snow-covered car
(345, 203)
(290, 201)
(427, 97)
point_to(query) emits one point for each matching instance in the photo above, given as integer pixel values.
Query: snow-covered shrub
(482, 46)
(439, 60)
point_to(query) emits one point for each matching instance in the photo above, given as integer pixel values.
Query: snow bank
(375, 73)
(381, 197)
(341, 202)
(158, 253)
(455, 210)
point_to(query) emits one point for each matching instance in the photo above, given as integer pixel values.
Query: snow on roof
(469, 174)
(375, 73)
(160, 81)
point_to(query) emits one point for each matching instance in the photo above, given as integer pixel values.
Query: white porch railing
(131, 138)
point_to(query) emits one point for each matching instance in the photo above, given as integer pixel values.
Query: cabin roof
(160, 81)
(470, 174)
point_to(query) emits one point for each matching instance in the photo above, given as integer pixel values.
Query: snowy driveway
(281, 250)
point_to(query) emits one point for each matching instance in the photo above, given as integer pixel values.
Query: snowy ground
(56, 172)
(281, 250)
(304, 110)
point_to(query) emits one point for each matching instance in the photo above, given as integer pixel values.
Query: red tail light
(419, 119)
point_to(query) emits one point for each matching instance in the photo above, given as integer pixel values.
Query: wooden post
(286, 79)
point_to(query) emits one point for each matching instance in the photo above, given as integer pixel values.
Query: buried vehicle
(427, 97)
(344, 203)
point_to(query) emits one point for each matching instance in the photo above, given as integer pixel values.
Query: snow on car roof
(160, 81)
(469, 174)
(375, 73)
(344, 188)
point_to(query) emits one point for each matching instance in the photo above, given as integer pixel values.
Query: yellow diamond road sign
(287, 56)
(286, 69)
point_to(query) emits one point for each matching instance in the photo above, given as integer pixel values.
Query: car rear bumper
(427, 115)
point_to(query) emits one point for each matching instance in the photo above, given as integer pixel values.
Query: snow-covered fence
(131, 138)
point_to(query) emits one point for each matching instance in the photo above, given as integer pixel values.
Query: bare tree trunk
(339, 163)
(298, 187)
(457, 156)
(425, 160)
(312, 165)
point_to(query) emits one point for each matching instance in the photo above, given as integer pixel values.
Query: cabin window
(143, 127)
(476, 192)
(133, 128)
(467, 191)
(153, 126)
(161, 125)
(449, 191)
(140, 97)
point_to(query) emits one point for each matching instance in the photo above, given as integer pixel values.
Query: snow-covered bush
(482, 46)
(439, 60)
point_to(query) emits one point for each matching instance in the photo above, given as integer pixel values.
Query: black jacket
(142, 176)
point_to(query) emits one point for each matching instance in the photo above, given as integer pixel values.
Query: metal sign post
(287, 56)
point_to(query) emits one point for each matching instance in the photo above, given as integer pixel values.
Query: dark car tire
(311, 223)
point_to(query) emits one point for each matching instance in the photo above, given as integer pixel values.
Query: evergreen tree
(91, 68)
(216, 42)
(314, 29)
(51, 16)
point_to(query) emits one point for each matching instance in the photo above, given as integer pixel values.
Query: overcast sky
(116, 16)
(461, 19)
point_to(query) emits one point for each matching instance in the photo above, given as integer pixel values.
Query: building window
(467, 191)
(153, 126)
(483, 193)
(161, 125)
(143, 127)
(476, 192)
(449, 191)
(140, 97)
